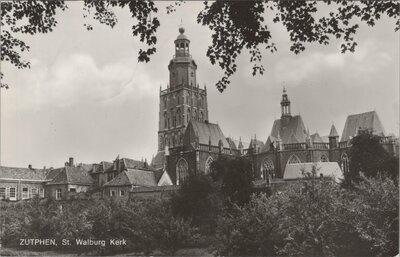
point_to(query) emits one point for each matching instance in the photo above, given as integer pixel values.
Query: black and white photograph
(199, 128)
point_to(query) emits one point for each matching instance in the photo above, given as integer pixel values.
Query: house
(68, 181)
(22, 183)
(127, 180)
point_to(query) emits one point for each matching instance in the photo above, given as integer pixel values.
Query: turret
(285, 106)
(333, 138)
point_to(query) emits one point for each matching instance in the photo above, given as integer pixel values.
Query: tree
(234, 177)
(198, 200)
(248, 29)
(368, 156)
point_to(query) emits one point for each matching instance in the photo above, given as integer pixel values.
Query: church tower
(182, 100)
(285, 105)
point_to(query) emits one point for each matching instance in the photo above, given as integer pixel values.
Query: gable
(204, 132)
(293, 132)
(367, 120)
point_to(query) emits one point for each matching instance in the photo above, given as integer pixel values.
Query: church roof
(234, 144)
(267, 145)
(333, 132)
(293, 132)
(316, 138)
(134, 177)
(327, 169)
(366, 120)
(158, 160)
(22, 173)
(205, 132)
(255, 143)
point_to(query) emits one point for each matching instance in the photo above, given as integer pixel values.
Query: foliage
(198, 201)
(252, 230)
(368, 156)
(248, 30)
(146, 225)
(315, 219)
(234, 177)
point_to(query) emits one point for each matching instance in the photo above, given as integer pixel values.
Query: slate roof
(267, 145)
(70, 175)
(366, 120)
(316, 138)
(332, 169)
(256, 143)
(158, 160)
(293, 132)
(333, 132)
(134, 177)
(205, 131)
(234, 144)
(22, 173)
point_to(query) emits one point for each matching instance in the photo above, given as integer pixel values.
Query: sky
(87, 97)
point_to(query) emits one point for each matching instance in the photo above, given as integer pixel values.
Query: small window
(192, 74)
(122, 193)
(58, 194)
(13, 191)
(2, 192)
(112, 192)
(25, 193)
(73, 190)
(34, 192)
(41, 192)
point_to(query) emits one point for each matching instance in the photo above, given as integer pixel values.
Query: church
(188, 142)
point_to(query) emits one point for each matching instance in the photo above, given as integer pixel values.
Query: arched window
(208, 164)
(267, 169)
(182, 45)
(345, 163)
(182, 171)
(165, 120)
(293, 159)
(324, 158)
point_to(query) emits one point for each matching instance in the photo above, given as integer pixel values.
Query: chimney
(30, 166)
(71, 161)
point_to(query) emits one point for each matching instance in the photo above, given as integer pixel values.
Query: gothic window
(194, 114)
(174, 121)
(345, 163)
(293, 159)
(165, 120)
(182, 171)
(173, 140)
(201, 116)
(178, 99)
(323, 158)
(208, 165)
(267, 169)
(165, 103)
